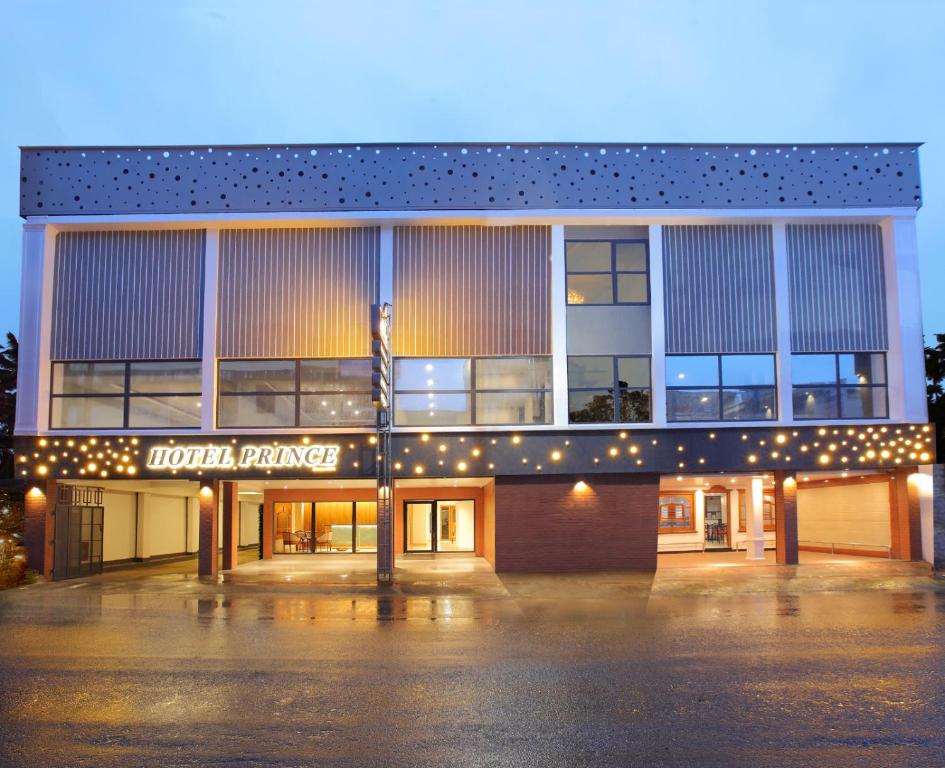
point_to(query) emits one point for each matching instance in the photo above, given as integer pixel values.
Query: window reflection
(839, 386)
(721, 388)
(464, 391)
(605, 389)
(603, 272)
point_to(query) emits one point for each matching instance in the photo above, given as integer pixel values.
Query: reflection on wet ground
(823, 664)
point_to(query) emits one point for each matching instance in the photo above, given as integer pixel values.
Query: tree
(935, 387)
(8, 363)
(12, 556)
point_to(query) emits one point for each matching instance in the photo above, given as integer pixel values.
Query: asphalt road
(530, 671)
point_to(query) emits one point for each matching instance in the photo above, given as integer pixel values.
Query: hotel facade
(599, 353)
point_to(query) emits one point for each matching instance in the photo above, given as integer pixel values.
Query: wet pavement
(831, 663)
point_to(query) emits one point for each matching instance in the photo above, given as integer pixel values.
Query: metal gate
(79, 528)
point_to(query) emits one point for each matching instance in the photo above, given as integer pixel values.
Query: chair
(324, 540)
(305, 541)
(290, 542)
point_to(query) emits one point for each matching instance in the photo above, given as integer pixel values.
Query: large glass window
(605, 389)
(459, 391)
(846, 385)
(720, 388)
(676, 513)
(294, 393)
(607, 271)
(767, 511)
(335, 526)
(115, 395)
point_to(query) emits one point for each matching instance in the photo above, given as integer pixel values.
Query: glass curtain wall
(325, 526)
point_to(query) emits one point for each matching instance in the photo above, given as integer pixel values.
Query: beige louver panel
(128, 295)
(470, 290)
(296, 292)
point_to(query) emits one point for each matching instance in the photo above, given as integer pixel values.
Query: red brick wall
(544, 524)
(39, 527)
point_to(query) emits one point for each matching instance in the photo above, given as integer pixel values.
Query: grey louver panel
(128, 295)
(838, 300)
(300, 292)
(719, 289)
(469, 290)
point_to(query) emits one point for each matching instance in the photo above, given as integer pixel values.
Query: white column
(755, 549)
(905, 361)
(657, 328)
(211, 263)
(141, 524)
(699, 498)
(559, 326)
(782, 303)
(733, 516)
(35, 332)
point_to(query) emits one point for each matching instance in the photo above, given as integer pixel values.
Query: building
(600, 352)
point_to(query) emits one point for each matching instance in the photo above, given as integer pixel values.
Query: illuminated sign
(317, 457)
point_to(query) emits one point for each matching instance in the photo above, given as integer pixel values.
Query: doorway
(440, 526)
(716, 521)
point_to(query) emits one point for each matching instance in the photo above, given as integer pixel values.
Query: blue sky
(215, 72)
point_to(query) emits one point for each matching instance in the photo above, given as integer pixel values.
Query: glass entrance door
(455, 526)
(440, 526)
(418, 526)
(716, 526)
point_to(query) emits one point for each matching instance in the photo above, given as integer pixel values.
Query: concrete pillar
(782, 303)
(231, 524)
(785, 516)
(208, 560)
(208, 373)
(39, 529)
(905, 520)
(755, 523)
(559, 326)
(657, 329)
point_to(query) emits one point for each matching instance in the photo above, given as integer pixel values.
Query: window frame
(767, 501)
(691, 496)
(719, 389)
(614, 389)
(125, 396)
(296, 394)
(473, 391)
(614, 272)
(838, 387)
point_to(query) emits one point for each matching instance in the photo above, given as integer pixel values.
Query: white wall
(165, 525)
(249, 523)
(844, 514)
(119, 526)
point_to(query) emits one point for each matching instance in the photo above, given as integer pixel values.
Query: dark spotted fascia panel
(461, 177)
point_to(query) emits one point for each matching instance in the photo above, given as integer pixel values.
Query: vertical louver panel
(297, 292)
(838, 298)
(469, 290)
(719, 289)
(128, 295)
